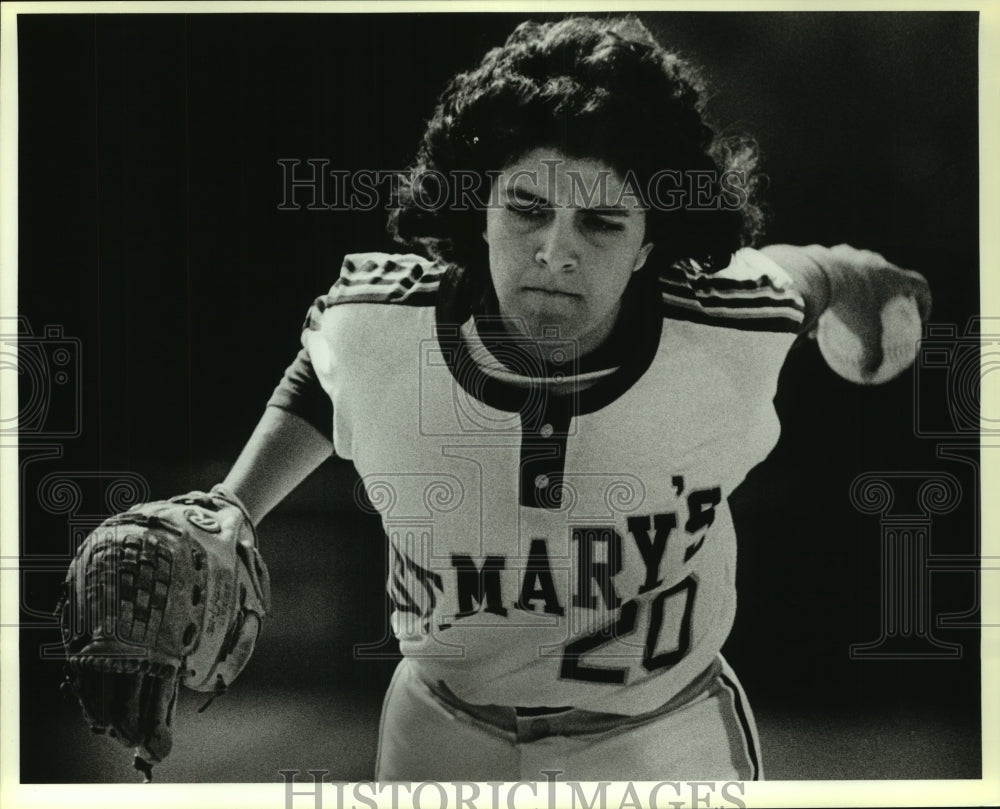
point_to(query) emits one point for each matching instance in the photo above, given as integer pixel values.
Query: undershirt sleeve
(299, 392)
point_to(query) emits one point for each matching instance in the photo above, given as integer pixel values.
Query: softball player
(549, 405)
(549, 414)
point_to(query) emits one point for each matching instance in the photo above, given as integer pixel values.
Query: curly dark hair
(590, 88)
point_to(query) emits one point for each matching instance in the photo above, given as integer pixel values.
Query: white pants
(710, 737)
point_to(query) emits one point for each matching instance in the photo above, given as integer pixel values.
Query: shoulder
(392, 279)
(399, 278)
(752, 294)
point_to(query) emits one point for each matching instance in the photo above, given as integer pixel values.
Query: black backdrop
(150, 235)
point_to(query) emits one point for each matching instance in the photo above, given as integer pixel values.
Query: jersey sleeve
(364, 278)
(381, 278)
(753, 294)
(300, 392)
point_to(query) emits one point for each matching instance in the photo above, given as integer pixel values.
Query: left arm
(854, 285)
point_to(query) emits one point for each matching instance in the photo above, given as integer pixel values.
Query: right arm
(292, 438)
(283, 450)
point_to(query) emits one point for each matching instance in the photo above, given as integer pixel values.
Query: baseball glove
(169, 592)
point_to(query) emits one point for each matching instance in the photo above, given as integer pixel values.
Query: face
(564, 239)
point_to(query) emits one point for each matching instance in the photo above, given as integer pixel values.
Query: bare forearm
(281, 452)
(854, 283)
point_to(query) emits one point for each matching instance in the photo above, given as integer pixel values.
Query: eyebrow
(621, 211)
(530, 196)
(616, 211)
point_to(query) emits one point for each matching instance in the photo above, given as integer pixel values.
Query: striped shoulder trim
(742, 296)
(409, 279)
(402, 280)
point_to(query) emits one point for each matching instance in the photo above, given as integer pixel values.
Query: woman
(669, 372)
(550, 407)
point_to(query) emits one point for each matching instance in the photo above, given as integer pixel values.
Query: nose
(557, 250)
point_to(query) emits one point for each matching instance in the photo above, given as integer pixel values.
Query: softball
(841, 347)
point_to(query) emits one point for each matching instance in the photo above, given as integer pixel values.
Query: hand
(854, 286)
(861, 283)
(170, 592)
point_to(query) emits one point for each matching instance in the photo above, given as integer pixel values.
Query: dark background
(150, 233)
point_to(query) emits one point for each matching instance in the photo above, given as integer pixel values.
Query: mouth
(554, 293)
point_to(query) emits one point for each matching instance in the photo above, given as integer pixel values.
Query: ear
(642, 255)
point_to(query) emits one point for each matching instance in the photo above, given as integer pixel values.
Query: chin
(553, 328)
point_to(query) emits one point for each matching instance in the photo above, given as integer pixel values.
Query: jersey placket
(545, 427)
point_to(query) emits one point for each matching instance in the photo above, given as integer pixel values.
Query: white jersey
(557, 538)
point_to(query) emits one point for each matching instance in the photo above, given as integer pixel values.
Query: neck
(598, 348)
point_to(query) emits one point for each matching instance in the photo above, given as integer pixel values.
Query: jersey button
(546, 431)
(540, 727)
(541, 481)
